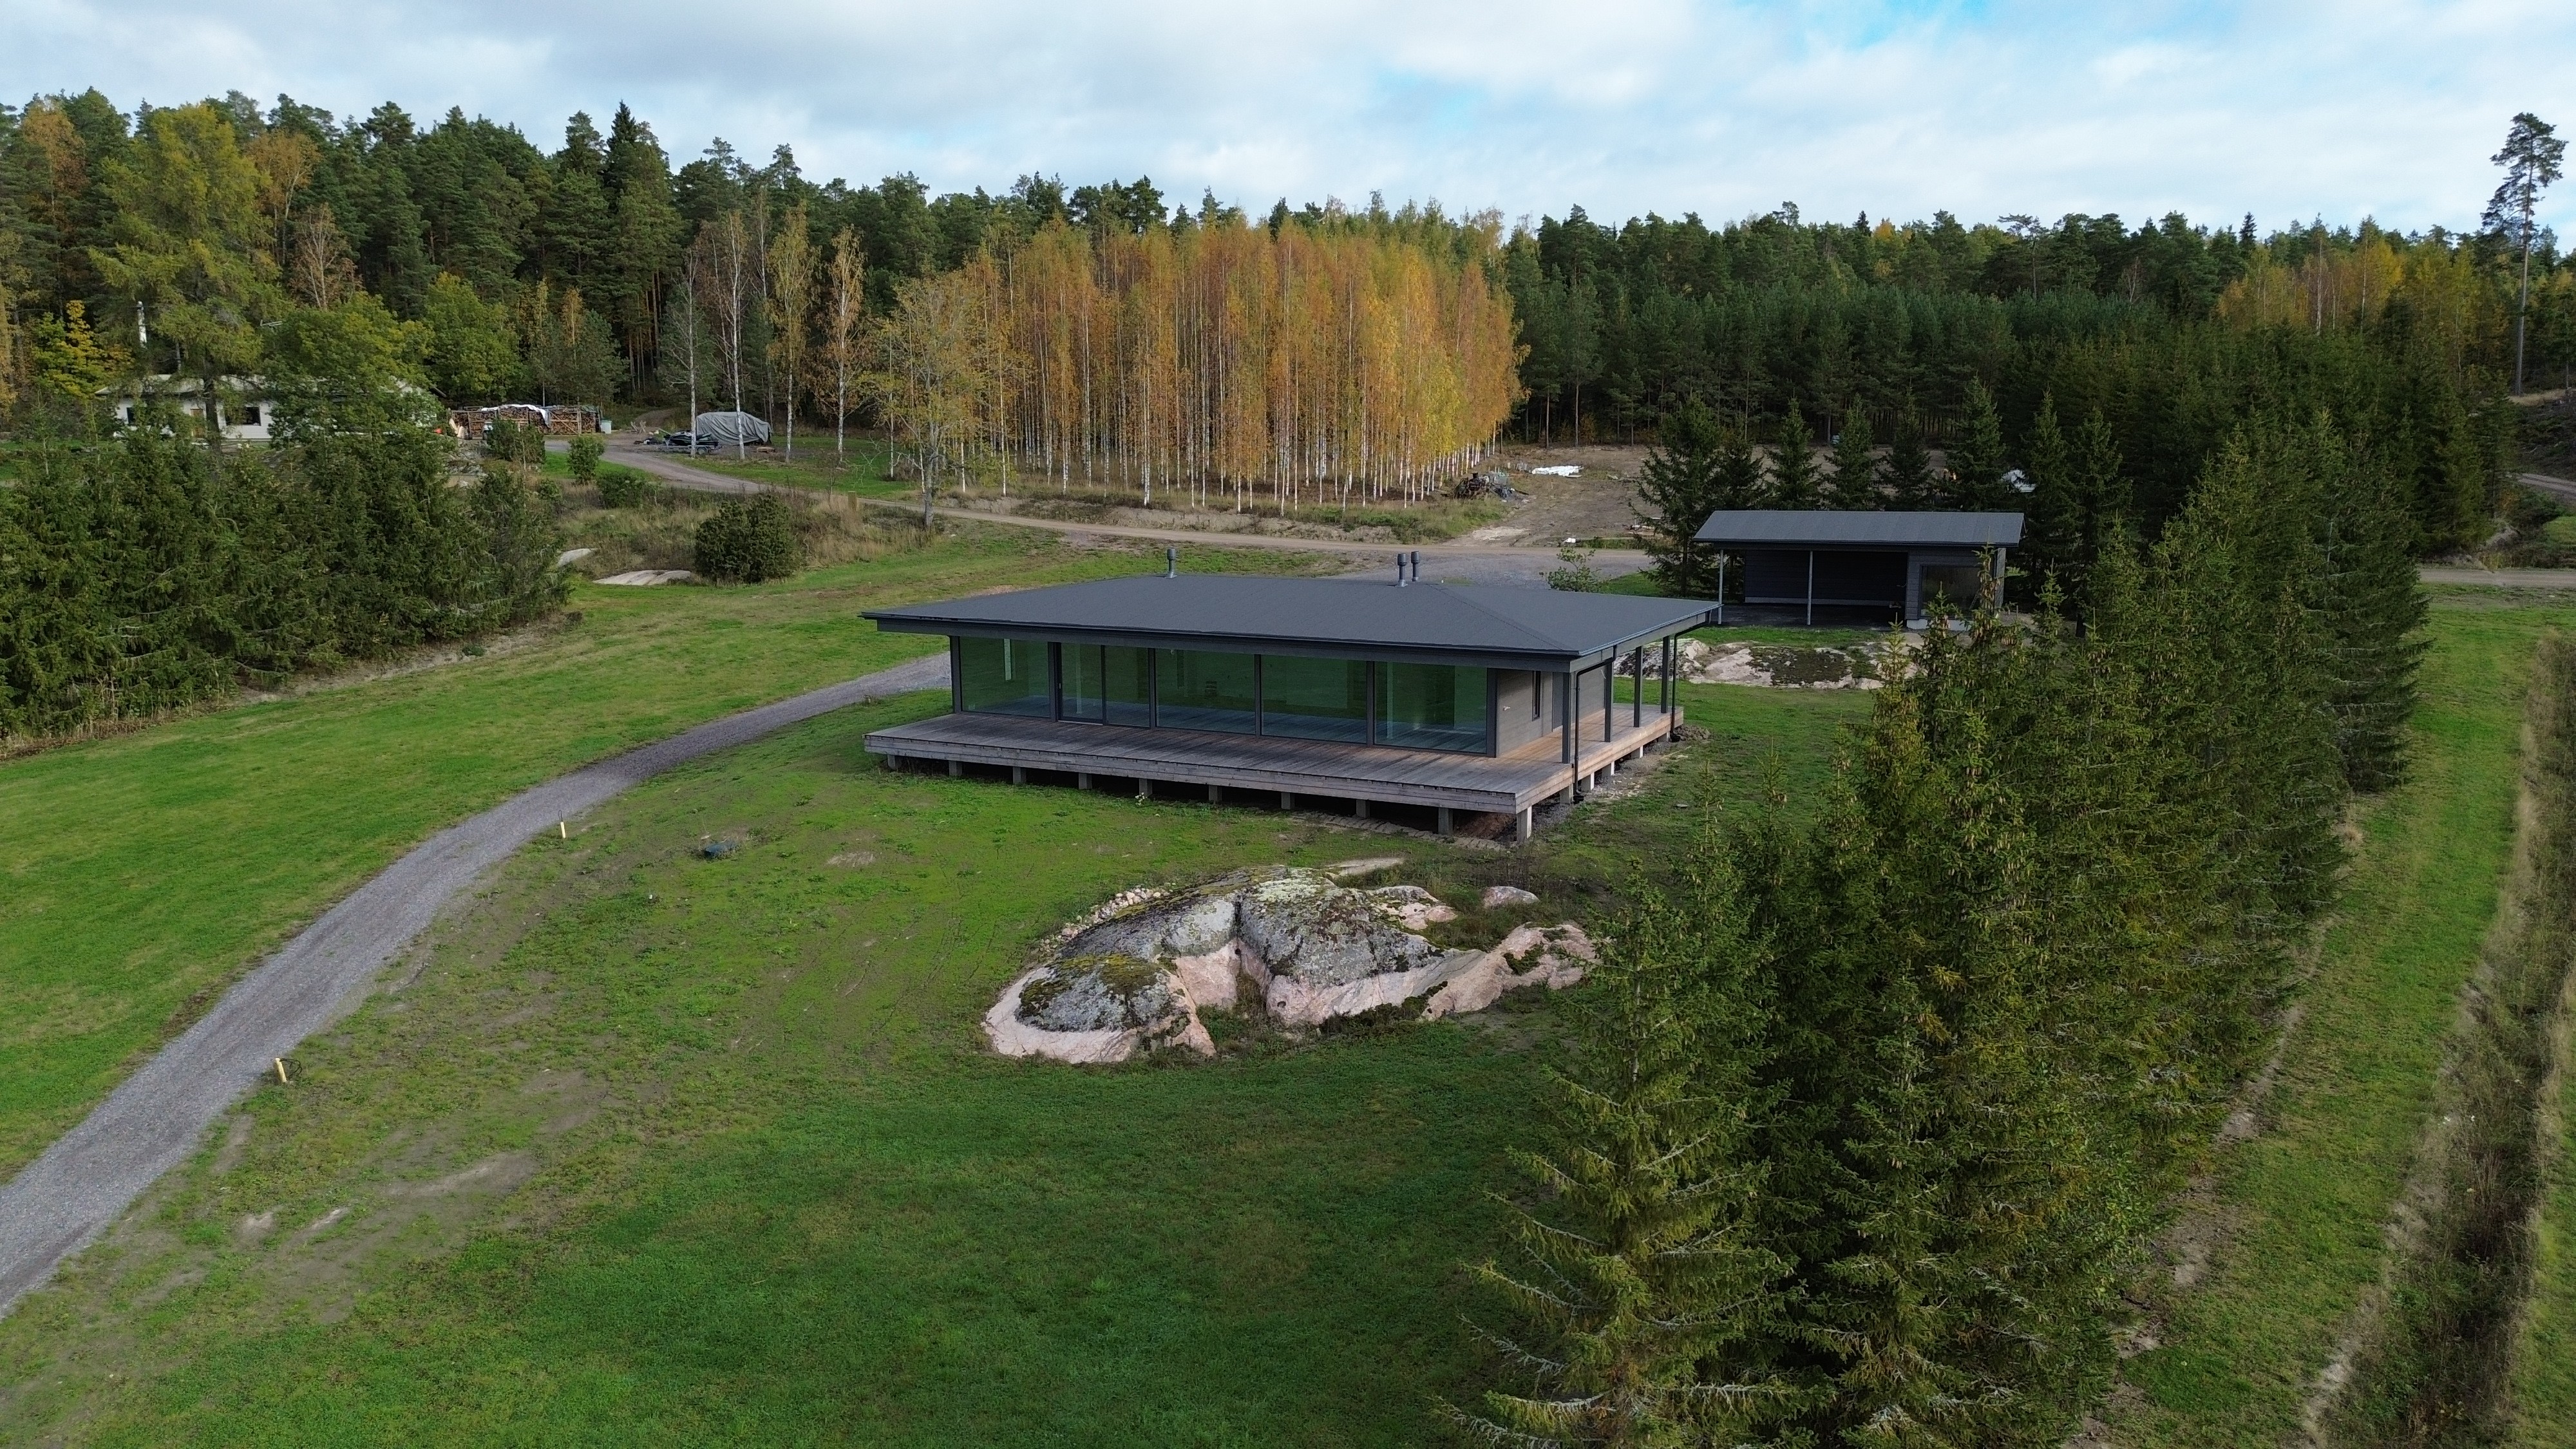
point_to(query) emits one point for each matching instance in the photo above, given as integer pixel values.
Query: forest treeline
(600, 269)
(1870, 1114)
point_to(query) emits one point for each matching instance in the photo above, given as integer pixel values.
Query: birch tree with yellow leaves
(1314, 367)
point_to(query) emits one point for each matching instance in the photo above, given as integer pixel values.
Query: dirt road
(1454, 562)
(160, 1114)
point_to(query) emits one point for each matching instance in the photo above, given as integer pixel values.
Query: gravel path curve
(159, 1115)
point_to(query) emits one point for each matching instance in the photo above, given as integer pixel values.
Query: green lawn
(143, 872)
(2300, 1207)
(659, 1149)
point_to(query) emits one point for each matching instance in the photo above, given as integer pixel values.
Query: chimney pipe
(1399, 570)
(1171, 563)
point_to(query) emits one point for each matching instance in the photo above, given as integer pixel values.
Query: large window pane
(1130, 686)
(1196, 690)
(1432, 707)
(1004, 676)
(1113, 684)
(1315, 699)
(1084, 697)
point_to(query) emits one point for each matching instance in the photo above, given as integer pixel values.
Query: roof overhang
(1857, 530)
(1492, 628)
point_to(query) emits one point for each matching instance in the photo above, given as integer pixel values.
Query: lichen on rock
(1296, 945)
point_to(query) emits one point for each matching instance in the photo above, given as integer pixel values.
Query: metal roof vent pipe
(1399, 571)
(1417, 566)
(1171, 563)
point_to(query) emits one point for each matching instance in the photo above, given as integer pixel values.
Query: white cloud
(2384, 107)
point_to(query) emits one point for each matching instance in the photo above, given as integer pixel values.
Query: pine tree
(1646, 1290)
(1855, 480)
(1793, 482)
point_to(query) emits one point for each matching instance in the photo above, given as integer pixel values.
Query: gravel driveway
(160, 1115)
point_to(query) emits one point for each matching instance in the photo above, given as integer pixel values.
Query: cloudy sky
(2386, 108)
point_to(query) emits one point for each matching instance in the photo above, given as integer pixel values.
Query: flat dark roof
(1331, 618)
(1838, 528)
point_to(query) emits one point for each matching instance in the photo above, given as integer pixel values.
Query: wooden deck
(1510, 784)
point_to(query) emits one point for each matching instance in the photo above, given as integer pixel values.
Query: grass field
(654, 1148)
(143, 872)
(2294, 1237)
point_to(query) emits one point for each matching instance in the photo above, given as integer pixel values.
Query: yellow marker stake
(560, 831)
(281, 1067)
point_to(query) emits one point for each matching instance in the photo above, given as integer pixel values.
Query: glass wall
(1315, 699)
(1431, 707)
(1416, 706)
(1004, 676)
(1111, 684)
(1199, 690)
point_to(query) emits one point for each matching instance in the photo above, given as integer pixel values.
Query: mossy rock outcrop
(1296, 946)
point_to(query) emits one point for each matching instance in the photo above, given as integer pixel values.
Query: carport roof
(1837, 528)
(1505, 627)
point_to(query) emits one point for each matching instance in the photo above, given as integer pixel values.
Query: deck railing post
(1637, 699)
(1811, 588)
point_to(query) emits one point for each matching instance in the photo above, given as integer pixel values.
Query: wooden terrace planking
(1507, 784)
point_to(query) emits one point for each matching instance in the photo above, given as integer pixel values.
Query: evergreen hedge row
(148, 573)
(1868, 1120)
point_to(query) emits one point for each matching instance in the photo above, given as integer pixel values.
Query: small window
(249, 417)
(129, 413)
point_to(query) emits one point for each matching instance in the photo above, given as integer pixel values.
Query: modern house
(1439, 698)
(1899, 562)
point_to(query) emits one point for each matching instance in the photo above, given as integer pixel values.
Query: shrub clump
(584, 457)
(510, 442)
(749, 541)
(622, 487)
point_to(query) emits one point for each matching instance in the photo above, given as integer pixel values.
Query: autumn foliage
(1308, 366)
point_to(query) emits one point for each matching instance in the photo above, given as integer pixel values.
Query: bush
(585, 457)
(623, 487)
(748, 541)
(511, 443)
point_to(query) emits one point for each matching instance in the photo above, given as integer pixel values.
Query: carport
(1897, 561)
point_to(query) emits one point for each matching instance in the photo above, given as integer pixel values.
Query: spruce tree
(2052, 539)
(1976, 460)
(1681, 485)
(1855, 480)
(2102, 487)
(1793, 481)
(2370, 606)
(1646, 1291)
(1910, 479)
(1958, 1247)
